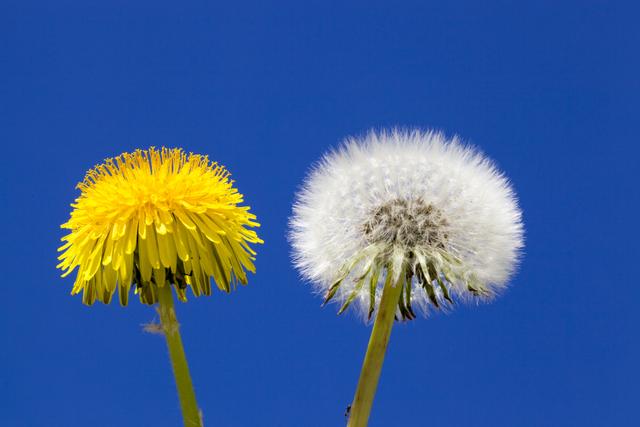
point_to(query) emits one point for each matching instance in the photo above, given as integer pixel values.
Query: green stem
(171, 328)
(363, 400)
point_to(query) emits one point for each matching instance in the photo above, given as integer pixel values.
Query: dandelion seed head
(429, 213)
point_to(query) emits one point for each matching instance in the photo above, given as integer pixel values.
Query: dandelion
(398, 223)
(156, 220)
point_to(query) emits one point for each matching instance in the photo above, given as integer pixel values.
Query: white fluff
(476, 245)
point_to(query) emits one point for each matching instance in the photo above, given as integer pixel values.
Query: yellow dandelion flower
(154, 217)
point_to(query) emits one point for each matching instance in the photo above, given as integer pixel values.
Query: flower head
(426, 213)
(157, 217)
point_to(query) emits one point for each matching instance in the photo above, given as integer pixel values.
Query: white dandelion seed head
(431, 214)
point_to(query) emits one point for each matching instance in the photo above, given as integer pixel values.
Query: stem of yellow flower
(171, 328)
(361, 406)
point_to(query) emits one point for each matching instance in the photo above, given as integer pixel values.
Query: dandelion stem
(171, 328)
(363, 400)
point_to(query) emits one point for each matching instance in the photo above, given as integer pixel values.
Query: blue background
(548, 89)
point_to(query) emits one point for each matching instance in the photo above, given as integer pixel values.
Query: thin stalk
(368, 382)
(171, 329)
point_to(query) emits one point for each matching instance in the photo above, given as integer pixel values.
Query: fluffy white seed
(435, 214)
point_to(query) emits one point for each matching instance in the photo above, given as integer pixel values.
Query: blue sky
(547, 89)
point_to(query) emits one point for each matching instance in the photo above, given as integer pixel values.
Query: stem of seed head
(374, 358)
